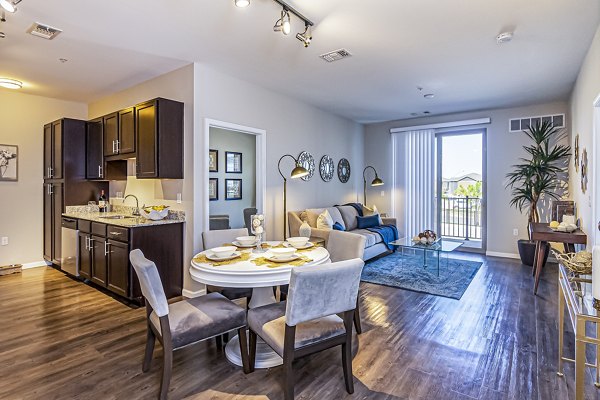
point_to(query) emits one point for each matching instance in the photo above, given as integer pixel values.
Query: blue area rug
(407, 272)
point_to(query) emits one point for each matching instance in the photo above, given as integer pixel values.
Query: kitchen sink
(117, 217)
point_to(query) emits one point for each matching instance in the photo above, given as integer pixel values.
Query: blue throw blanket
(388, 234)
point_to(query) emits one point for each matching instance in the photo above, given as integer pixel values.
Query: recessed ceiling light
(8, 6)
(429, 95)
(242, 3)
(504, 37)
(63, 60)
(2, 35)
(10, 83)
(426, 112)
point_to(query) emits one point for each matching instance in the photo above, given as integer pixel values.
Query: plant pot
(527, 251)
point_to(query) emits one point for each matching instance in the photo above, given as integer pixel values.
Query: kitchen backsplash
(119, 209)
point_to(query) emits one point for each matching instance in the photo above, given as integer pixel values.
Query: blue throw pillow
(338, 227)
(367, 222)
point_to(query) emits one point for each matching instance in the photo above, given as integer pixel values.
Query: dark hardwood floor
(61, 339)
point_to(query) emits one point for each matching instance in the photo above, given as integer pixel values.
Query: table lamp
(298, 172)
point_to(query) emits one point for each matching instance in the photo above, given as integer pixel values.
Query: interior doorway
(595, 175)
(461, 187)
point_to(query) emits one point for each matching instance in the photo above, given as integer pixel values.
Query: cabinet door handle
(106, 245)
(100, 174)
(114, 148)
(50, 191)
(118, 145)
(90, 240)
(50, 172)
(116, 233)
(87, 243)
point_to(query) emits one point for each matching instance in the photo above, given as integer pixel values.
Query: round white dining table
(246, 274)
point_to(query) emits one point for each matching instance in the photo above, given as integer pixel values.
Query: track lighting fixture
(283, 24)
(8, 6)
(305, 37)
(242, 3)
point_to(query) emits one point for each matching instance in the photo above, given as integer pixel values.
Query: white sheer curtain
(414, 158)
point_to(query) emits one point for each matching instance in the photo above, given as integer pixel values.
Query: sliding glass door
(460, 187)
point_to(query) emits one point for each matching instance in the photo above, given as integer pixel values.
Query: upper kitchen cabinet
(111, 133)
(119, 134)
(53, 156)
(94, 148)
(159, 132)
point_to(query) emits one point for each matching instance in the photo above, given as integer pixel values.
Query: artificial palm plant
(542, 174)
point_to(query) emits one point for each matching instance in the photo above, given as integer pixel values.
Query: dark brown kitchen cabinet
(118, 267)
(126, 143)
(99, 251)
(94, 149)
(111, 133)
(159, 131)
(65, 182)
(85, 255)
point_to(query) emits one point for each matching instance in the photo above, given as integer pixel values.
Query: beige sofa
(373, 243)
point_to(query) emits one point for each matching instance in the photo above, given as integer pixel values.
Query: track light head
(286, 26)
(8, 6)
(242, 3)
(305, 37)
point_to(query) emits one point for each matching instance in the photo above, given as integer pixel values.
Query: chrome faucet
(135, 212)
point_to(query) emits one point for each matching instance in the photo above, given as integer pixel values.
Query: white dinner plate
(306, 246)
(213, 257)
(244, 246)
(271, 257)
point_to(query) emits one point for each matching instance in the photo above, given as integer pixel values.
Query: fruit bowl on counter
(155, 213)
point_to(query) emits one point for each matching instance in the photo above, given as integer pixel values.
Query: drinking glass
(90, 206)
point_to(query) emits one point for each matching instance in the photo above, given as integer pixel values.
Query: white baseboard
(35, 264)
(191, 294)
(503, 255)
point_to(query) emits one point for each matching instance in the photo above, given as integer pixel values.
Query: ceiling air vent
(43, 31)
(521, 124)
(335, 55)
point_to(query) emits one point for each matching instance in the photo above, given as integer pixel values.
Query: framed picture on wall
(233, 162)
(8, 162)
(213, 189)
(233, 189)
(213, 160)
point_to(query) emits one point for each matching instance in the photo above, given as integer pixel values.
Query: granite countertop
(81, 212)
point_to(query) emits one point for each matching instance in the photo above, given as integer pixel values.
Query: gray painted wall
(503, 150)
(224, 140)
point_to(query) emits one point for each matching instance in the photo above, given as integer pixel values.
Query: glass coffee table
(439, 246)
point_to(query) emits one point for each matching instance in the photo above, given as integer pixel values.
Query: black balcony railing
(461, 217)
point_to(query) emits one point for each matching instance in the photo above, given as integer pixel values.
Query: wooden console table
(576, 295)
(542, 234)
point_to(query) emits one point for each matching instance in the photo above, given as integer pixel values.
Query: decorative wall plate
(584, 170)
(307, 161)
(326, 168)
(343, 170)
(576, 153)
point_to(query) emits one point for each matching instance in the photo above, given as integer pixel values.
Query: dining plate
(306, 246)
(213, 257)
(271, 257)
(244, 246)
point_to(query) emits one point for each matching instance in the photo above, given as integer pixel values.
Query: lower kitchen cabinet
(104, 256)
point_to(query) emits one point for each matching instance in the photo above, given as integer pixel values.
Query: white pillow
(324, 221)
(372, 211)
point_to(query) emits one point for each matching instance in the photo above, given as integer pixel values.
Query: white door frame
(261, 164)
(595, 176)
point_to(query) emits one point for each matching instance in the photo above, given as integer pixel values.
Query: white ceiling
(447, 47)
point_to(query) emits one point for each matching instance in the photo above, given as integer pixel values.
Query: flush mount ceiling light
(305, 37)
(242, 3)
(9, 83)
(429, 96)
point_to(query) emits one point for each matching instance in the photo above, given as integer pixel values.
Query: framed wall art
(233, 189)
(9, 162)
(233, 162)
(213, 160)
(213, 189)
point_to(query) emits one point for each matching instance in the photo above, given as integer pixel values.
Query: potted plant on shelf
(541, 176)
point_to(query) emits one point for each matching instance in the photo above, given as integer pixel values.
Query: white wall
(292, 126)
(177, 85)
(22, 119)
(503, 150)
(225, 140)
(586, 90)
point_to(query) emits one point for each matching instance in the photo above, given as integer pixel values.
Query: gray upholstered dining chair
(249, 212)
(308, 322)
(343, 246)
(183, 323)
